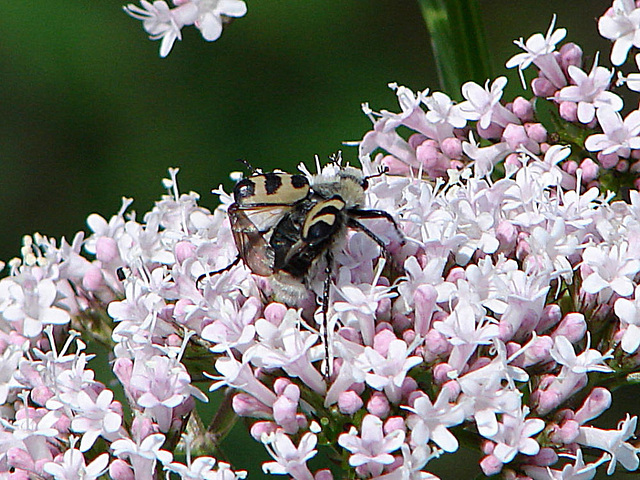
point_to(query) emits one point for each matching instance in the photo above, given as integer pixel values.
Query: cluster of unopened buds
(511, 316)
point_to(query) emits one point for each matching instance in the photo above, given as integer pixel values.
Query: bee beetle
(283, 224)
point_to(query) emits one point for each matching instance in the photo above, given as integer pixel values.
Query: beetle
(284, 224)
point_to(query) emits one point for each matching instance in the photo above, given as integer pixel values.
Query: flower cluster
(164, 23)
(502, 321)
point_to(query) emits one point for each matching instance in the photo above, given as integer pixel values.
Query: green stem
(458, 42)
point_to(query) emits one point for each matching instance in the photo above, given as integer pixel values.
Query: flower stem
(458, 42)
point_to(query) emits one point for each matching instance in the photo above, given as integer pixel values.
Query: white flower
(483, 104)
(623, 27)
(613, 442)
(590, 91)
(538, 50)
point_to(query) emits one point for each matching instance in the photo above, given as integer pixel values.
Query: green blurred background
(90, 113)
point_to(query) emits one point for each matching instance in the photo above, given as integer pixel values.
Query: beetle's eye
(364, 183)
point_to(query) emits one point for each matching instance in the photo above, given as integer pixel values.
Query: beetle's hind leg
(217, 272)
(326, 291)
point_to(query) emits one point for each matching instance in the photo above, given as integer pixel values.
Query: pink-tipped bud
(441, 373)
(280, 384)
(349, 402)
(247, 406)
(536, 132)
(545, 457)
(590, 170)
(395, 166)
(492, 132)
(573, 326)
(452, 147)
(568, 111)
(323, 475)
(598, 401)
(381, 341)
(551, 316)
(120, 470)
(516, 136)
(490, 465)
(523, 109)
(570, 54)
(608, 161)
(107, 250)
(542, 87)
(184, 250)
(416, 140)
(92, 279)
(275, 312)
(394, 423)
(378, 405)
(259, 429)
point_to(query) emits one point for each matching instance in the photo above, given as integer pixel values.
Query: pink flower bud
(513, 160)
(41, 394)
(275, 312)
(523, 109)
(492, 132)
(435, 344)
(120, 470)
(378, 405)
(506, 233)
(598, 401)
(435, 164)
(455, 274)
(184, 250)
(247, 406)
(382, 340)
(142, 427)
(122, 368)
(408, 385)
(536, 132)
(19, 458)
(394, 423)
(424, 299)
(259, 429)
(622, 166)
(92, 279)
(542, 87)
(545, 457)
(551, 316)
(451, 147)
(349, 402)
(573, 326)
(440, 373)
(607, 161)
(323, 475)
(395, 166)
(416, 140)
(107, 250)
(284, 411)
(570, 54)
(590, 170)
(490, 465)
(280, 384)
(516, 135)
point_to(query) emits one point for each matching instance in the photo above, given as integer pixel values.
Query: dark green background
(90, 113)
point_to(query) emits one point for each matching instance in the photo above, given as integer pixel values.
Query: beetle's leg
(325, 308)
(357, 213)
(353, 223)
(216, 272)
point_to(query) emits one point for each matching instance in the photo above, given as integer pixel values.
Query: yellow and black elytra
(282, 224)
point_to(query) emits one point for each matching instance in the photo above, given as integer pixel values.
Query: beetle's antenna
(381, 171)
(248, 165)
(336, 158)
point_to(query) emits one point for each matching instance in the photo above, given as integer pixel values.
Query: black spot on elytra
(245, 188)
(272, 182)
(299, 181)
